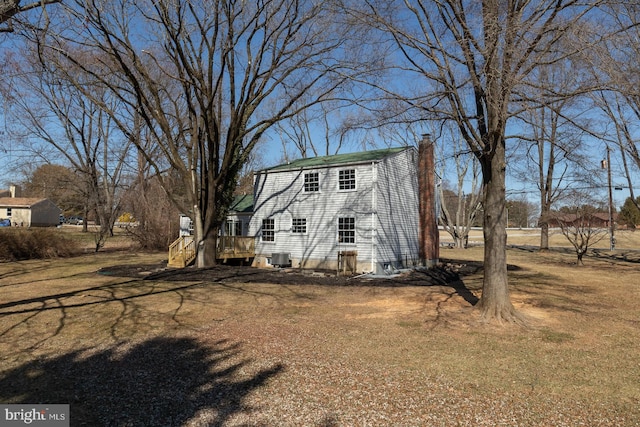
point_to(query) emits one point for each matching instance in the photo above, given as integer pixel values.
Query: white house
(359, 205)
(29, 212)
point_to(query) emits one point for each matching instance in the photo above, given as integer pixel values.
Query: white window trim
(355, 240)
(306, 229)
(355, 181)
(304, 182)
(262, 231)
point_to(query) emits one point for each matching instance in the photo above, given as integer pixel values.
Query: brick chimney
(429, 235)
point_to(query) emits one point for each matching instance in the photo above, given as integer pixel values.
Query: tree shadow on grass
(444, 275)
(158, 382)
(449, 274)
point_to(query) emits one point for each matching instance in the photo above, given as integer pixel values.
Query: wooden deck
(236, 247)
(182, 252)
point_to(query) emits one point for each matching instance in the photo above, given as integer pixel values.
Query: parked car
(75, 220)
(5, 222)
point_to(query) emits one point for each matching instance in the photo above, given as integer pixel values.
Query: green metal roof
(242, 203)
(338, 159)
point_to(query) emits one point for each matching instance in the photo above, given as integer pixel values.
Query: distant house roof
(19, 202)
(242, 204)
(338, 159)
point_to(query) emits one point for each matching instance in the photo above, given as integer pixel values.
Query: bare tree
(459, 208)
(616, 66)
(468, 59)
(583, 228)
(53, 112)
(319, 131)
(208, 79)
(10, 8)
(55, 182)
(551, 139)
(520, 212)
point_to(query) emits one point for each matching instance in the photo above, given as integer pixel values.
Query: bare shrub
(583, 227)
(156, 218)
(35, 243)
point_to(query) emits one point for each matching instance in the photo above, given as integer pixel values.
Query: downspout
(374, 209)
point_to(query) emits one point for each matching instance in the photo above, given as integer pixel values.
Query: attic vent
(280, 259)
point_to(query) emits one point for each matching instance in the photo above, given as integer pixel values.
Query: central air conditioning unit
(280, 259)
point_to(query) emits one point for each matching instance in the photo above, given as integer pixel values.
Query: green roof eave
(242, 203)
(338, 159)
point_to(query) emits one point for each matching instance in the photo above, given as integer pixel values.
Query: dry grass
(129, 351)
(625, 239)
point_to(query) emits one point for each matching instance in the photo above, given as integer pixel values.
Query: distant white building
(29, 212)
(362, 206)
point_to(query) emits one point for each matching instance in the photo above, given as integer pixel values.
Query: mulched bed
(446, 274)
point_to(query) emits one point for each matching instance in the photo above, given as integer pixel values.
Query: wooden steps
(182, 252)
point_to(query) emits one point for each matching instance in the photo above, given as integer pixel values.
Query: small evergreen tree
(629, 213)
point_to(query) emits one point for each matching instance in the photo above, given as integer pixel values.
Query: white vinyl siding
(397, 212)
(379, 233)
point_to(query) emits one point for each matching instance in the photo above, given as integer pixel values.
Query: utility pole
(612, 239)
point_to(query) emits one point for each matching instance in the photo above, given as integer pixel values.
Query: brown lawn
(235, 347)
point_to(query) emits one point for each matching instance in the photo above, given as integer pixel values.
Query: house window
(311, 182)
(268, 230)
(347, 179)
(8, 212)
(347, 230)
(234, 228)
(299, 225)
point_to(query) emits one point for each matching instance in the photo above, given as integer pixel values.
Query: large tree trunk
(545, 214)
(209, 229)
(495, 303)
(207, 250)
(544, 234)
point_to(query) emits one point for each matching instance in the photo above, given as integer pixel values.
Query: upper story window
(268, 230)
(347, 179)
(299, 225)
(311, 182)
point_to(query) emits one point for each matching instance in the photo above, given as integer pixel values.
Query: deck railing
(183, 251)
(236, 247)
